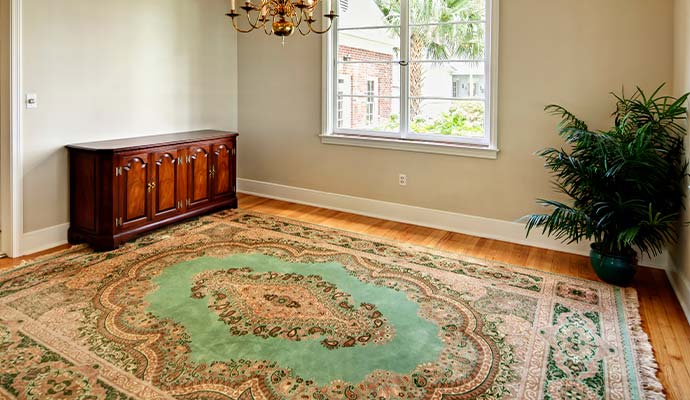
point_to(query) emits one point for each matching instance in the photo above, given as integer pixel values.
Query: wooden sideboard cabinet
(122, 188)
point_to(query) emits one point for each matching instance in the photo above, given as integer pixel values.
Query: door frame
(11, 181)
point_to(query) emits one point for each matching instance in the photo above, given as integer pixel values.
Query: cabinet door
(222, 181)
(166, 199)
(199, 174)
(135, 201)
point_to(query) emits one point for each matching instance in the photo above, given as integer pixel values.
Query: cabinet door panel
(166, 199)
(199, 173)
(134, 198)
(222, 170)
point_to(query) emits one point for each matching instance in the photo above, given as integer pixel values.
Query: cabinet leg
(105, 245)
(74, 237)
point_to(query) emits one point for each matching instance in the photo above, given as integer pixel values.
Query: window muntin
(437, 91)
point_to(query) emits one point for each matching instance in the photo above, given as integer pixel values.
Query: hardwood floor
(9, 263)
(662, 316)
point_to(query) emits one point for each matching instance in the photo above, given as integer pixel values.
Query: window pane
(451, 118)
(463, 80)
(448, 86)
(355, 79)
(425, 11)
(447, 42)
(369, 45)
(368, 113)
(359, 13)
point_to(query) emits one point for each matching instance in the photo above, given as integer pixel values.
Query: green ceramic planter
(613, 269)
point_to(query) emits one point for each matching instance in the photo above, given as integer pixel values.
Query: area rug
(239, 305)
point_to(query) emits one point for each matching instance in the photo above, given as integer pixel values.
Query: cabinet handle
(151, 186)
(212, 172)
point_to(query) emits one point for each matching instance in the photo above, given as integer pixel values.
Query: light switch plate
(31, 100)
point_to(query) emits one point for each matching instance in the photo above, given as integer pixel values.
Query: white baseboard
(681, 286)
(44, 239)
(514, 232)
(489, 228)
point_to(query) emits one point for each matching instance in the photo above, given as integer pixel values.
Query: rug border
(440, 252)
(645, 360)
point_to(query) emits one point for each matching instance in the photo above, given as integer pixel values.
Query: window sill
(450, 149)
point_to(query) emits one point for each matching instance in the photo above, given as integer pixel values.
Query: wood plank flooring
(662, 316)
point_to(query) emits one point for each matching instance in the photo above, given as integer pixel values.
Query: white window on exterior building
(371, 93)
(401, 58)
(469, 86)
(344, 102)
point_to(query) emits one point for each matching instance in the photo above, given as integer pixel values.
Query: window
(344, 106)
(418, 71)
(344, 5)
(469, 86)
(371, 109)
(340, 111)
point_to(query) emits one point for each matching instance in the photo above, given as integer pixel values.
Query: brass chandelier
(282, 17)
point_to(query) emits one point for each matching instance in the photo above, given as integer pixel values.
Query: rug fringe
(644, 353)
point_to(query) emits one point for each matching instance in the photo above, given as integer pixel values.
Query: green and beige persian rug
(240, 305)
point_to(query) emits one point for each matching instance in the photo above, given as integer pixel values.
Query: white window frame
(486, 147)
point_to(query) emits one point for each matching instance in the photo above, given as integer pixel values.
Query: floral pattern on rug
(154, 320)
(31, 371)
(290, 306)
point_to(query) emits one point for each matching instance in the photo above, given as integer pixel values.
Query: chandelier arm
(299, 28)
(299, 16)
(296, 19)
(311, 28)
(267, 31)
(238, 29)
(256, 24)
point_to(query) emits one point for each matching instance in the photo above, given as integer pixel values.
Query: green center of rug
(316, 319)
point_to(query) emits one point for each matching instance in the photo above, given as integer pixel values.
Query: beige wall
(563, 51)
(108, 69)
(681, 255)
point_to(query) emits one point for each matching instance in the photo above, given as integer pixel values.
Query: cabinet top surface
(150, 141)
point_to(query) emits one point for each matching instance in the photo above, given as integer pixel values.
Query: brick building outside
(368, 79)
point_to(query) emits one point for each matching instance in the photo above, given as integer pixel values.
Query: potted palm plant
(625, 184)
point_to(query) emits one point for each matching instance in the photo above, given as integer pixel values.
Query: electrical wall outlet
(402, 180)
